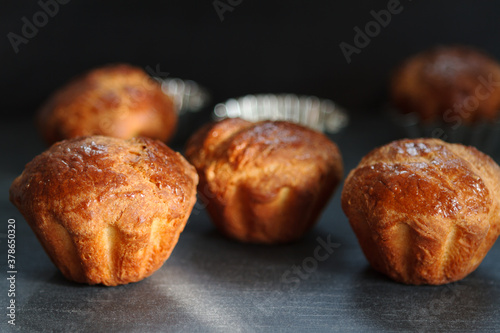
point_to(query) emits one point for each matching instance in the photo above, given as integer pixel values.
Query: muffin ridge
(106, 208)
(436, 190)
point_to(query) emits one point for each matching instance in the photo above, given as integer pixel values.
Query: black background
(260, 46)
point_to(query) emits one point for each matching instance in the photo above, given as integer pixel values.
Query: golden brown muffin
(107, 210)
(264, 182)
(448, 83)
(116, 100)
(424, 211)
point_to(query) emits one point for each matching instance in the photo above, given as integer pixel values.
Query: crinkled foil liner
(320, 114)
(188, 95)
(484, 135)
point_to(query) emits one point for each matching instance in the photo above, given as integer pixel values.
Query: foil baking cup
(484, 135)
(188, 95)
(319, 114)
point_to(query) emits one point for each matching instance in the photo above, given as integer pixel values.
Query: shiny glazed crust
(116, 100)
(447, 84)
(424, 211)
(264, 182)
(107, 210)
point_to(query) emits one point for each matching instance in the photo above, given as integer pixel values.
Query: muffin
(264, 182)
(449, 84)
(106, 210)
(451, 93)
(120, 101)
(424, 211)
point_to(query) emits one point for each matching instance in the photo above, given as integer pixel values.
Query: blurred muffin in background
(117, 100)
(448, 92)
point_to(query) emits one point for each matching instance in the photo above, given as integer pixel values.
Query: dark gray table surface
(212, 284)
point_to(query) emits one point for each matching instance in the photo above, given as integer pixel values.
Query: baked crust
(120, 100)
(448, 83)
(107, 210)
(424, 211)
(264, 182)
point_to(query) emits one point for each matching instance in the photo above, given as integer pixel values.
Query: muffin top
(448, 82)
(268, 154)
(116, 100)
(91, 182)
(410, 181)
